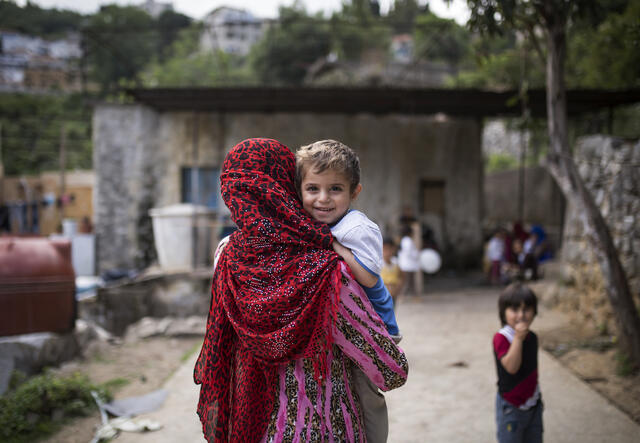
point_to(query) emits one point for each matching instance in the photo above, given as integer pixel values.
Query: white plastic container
(69, 227)
(83, 254)
(184, 235)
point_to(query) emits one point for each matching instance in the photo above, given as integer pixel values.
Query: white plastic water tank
(69, 227)
(184, 235)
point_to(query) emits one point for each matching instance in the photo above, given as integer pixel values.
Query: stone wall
(611, 170)
(140, 153)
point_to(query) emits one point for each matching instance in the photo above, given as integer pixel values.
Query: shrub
(37, 406)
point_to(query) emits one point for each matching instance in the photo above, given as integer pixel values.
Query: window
(208, 182)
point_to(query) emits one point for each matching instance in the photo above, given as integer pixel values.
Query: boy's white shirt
(508, 332)
(219, 249)
(356, 232)
(495, 249)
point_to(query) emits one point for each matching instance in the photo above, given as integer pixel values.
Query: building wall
(544, 203)
(129, 164)
(231, 30)
(46, 189)
(139, 155)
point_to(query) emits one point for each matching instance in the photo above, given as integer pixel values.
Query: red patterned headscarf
(272, 294)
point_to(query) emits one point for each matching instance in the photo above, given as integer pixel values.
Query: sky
(261, 8)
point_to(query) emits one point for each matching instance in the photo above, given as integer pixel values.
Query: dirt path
(451, 388)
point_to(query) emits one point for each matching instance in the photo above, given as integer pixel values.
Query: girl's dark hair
(406, 230)
(513, 296)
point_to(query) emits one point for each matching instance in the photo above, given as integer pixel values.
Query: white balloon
(430, 261)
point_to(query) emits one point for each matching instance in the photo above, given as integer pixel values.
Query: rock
(29, 353)
(148, 327)
(167, 326)
(191, 326)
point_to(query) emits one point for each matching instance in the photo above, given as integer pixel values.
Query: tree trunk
(561, 165)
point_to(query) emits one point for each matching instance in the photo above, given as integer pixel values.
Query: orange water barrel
(37, 286)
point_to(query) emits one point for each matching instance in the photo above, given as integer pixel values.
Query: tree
(120, 42)
(500, 63)
(597, 59)
(402, 15)
(440, 39)
(290, 47)
(34, 20)
(185, 65)
(170, 25)
(358, 28)
(553, 17)
(31, 131)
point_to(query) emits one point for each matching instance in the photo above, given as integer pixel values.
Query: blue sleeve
(381, 301)
(383, 305)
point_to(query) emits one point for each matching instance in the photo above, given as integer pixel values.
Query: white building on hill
(231, 30)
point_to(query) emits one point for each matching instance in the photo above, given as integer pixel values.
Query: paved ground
(450, 393)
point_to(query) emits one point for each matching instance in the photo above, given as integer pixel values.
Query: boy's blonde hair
(328, 154)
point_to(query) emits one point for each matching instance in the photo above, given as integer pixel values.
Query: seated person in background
(535, 250)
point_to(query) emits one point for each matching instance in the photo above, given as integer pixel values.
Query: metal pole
(1, 169)
(63, 164)
(521, 173)
(523, 144)
(195, 193)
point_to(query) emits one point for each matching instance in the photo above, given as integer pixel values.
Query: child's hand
(364, 277)
(522, 329)
(340, 249)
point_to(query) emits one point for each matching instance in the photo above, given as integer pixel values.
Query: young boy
(328, 181)
(515, 346)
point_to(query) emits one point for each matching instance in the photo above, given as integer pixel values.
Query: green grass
(115, 384)
(624, 365)
(37, 407)
(190, 351)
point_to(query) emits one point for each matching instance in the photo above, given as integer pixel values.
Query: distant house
(231, 30)
(155, 9)
(32, 63)
(402, 48)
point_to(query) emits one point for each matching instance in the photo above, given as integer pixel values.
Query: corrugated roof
(455, 102)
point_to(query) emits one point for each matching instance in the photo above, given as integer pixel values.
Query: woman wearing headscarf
(287, 320)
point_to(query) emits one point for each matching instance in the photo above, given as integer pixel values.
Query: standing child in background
(391, 273)
(495, 256)
(328, 181)
(515, 347)
(408, 260)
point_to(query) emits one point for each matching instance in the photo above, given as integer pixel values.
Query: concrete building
(231, 30)
(418, 148)
(43, 193)
(33, 64)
